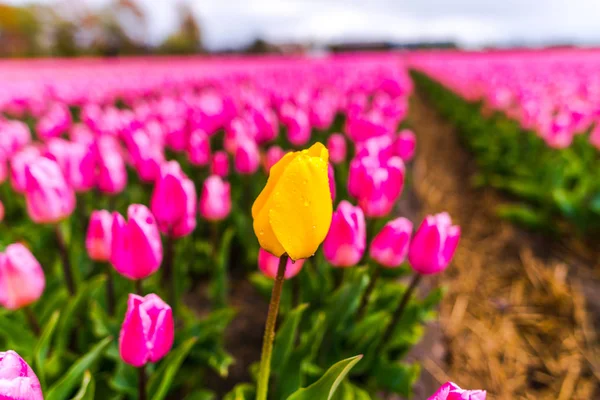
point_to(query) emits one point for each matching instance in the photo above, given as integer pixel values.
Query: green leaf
(87, 389)
(19, 336)
(348, 391)
(325, 387)
(64, 387)
(397, 377)
(43, 345)
(243, 391)
(286, 336)
(201, 395)
(161, 380)
(220, 284)
(263, 284)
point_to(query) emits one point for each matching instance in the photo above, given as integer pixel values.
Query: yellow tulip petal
(264, 232)
(274, 175)
(300, 211)
(319, 150)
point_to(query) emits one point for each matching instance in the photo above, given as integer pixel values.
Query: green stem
(375, 273)
(138, 287)
(142, 383)
(267, 349)
(110, 291)
(399, 311)
(33, 322)
(169, 277)
(66, 262)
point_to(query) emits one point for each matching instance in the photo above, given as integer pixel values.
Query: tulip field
(242, 227)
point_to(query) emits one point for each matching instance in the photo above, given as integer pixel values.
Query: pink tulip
(98, 241)
(81, 166)
(220, 164)
(198, 150)
(215, 201)
(268, 264)
(22, 280)
(274, 154)
(346, 240)
(247, 157)
(331, 177)
(405, 145)
(451, 391)
(147, 156)
(48, 196)
(336, 144)
(390, 247)
(434, 244)
(148, 330)
(136, 250)
(173, 194)
(17, 379)
(112, 175)
(17, 166)
(298, 128)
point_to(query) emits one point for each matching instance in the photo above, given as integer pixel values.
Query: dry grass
(515, 318)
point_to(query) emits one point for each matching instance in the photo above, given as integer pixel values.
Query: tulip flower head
(346, 241)
(390, 247)
(98, 241)
(434, 244)
(148, 330)
(173, 195)
(247, 157)
(268, 265)
(293, 212)
(406, 143)
(215, 200)
(220, 164)
(336, 144)
(17, 379)
(273, 155)
(48, 196)
(22, 280)
(451, 391)
(136, 250)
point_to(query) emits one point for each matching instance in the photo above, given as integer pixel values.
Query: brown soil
(521, 310)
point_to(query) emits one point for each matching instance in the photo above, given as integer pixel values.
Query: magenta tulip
(148, 330)
(98, 241)
(198, 150)
(390, 246)
(48, 196)
(173, 194)
(136, 250)
(220, 164)
(147, 156)
(17, 379)
(451, 391)
(215, 201)
(81, 168)
(112, 175)
(247, 157)
(18, 162)
(336, 144)
(381, 188)
(434, 244)
(406, 143)
(346, 240)
(22, 280)
(273, 155)
(298, 128)
(268, 264)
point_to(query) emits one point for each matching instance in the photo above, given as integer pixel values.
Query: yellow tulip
(293, 212)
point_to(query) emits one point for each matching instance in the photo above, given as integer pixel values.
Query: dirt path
(515, 319)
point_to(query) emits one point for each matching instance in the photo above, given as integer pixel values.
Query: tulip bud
(215, 201)
(336, 144)
(173, 193)
(22, 280)
(293, 212)
(451, 391)
(247, 157)
(434, 244)
(198, 150)
(81, 166)
(98, 241)
(136, 250)
(148, 330)
(298, 128)
(274, 154)
(268, 265)
(17, 379)
(147, 156)
(390, 247)
(17, 166)
(220, 164)
(48, 197)
(346, 241)
(381, 188)
(405, 145)
(112, 175)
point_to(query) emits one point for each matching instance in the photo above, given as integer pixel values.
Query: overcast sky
(227, 23)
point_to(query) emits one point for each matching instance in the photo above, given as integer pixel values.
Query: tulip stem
(375, 273)
(267, 348)
(142, 383)
(66, 263)
(110, 292)
(399, 311)
(168, 277)
(138, 287)
(33, 322)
